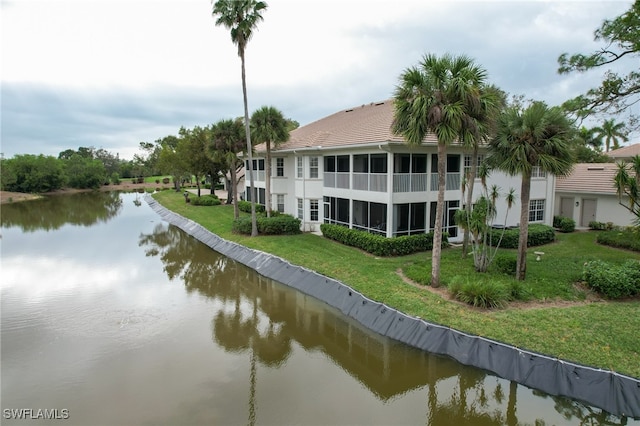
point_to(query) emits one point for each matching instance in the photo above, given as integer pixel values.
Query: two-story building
(350, 169)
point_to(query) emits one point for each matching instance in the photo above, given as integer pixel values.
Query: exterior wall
(307, 188)
(608, 208)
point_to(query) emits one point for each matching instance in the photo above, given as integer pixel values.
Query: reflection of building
(350, 169)
(384, 366)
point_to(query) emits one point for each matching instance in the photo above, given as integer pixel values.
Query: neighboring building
(588, 194)
(350, 169)
(625, 153)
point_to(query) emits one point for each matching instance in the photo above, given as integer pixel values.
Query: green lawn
(558, 323)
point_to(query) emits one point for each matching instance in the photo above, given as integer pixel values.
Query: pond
(110, 316)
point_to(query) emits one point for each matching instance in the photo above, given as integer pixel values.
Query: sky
(113, 73)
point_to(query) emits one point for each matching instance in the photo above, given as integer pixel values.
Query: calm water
(112, 317)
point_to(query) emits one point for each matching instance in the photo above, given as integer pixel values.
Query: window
(537, 172)
(300, 209)
(299, 167)
(336, 210)
(536, 210)
(280, 167)
(330, 163)
(313, 210)
(467, 162)
(280, 202)
(313, 167)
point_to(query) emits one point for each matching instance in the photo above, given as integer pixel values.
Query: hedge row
(612, 280)
(283, 224)
(377, 244)
(625, 239)
(538, 235)
(206, 200)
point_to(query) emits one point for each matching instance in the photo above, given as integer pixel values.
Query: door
(588, 211)
(566, 207)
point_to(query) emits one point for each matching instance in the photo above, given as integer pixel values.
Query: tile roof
(359, 125)
(625, 152)
(592, 178)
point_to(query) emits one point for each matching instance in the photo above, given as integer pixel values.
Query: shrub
(625, 238)
(115, 178)
(165, 180)
(564, 224)
(597, 226)
(245, 206)
(506, 263)
(539, 234)
(613, 281)
(487, 295)
(281, 225)
(206, 200)
(377, 244)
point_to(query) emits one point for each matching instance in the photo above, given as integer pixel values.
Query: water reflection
(264, 319)
(50, 213)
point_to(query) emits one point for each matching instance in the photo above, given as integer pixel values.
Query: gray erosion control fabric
(616, 393)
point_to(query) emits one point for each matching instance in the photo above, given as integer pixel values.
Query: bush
(281, 225)
(115, 178)
(624, 238)
(206, 200)
(487, 295)
(165, 180)
(539, 234)
(506, 263)
(379, 245)
(613, 281)
(245, 206)
(596, 226)
(564, 224)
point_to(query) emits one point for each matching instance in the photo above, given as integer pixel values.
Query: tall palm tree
(242, 17)
(612, 133)
(440, 96)
(627, 184)
(537, 136)
(269, 126)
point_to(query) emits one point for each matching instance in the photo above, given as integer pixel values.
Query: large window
(336, 171)
(313, 210)
(371, 217)
(467, 162)
(448, 223)
(409, 219)
(261, 195)
(313, 167)
(536, 210)
(336, 210)
(280, 167)
(537, 172)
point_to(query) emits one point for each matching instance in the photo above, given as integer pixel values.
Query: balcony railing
(410, 182)
(336, 180)
(452, 181)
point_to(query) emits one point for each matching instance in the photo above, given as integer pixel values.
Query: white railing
(410, 182)
(342, 180)
(452, 181)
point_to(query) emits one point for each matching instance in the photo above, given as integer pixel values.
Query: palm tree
(627, 184)
(227, 142)
(269, 126)
(612, 133)
(441, 96)
(537, 136)
(242, 17)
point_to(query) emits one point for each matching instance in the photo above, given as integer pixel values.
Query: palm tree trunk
(525, 195)
(268, 180)
(437, 232)
(254, 225)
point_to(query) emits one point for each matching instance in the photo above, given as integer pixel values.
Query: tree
(32, 174)
(440, 96)
(193, 150)
(170, 162)
(621, 38)
(627, 183)
(84, 172)
(227, 141)
(269, 127)
(536, 136)
(612, 133)
(242, 17)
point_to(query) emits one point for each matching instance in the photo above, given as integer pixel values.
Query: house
(588, 194)
(350, 169)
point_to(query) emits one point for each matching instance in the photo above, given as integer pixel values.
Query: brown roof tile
(625, 152)
(363, 124)
(593, 178)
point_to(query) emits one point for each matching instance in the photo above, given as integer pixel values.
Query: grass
(601, 334)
